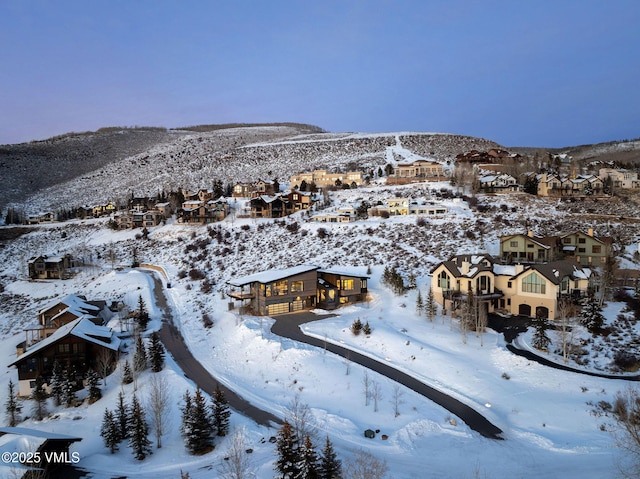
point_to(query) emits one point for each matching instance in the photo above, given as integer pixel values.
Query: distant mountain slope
(245, 153)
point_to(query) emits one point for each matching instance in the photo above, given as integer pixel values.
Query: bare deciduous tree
(158, 404)
(237, 463)
(366, 383)
(397, 399)
(376, 394)
(299, 415)
(104, 363)
(364, 465)
(626, 431)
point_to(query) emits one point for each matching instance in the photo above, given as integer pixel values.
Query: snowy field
(549, 428)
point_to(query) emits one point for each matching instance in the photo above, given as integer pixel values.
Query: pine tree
(307, 460)
(185, 427)
(221, 412)
(121, 416)
(57, 379)
(540, 340)
(39, 396)
(127, 375)
(12, 406)
(431, 307)
(140, 356)
(110, 431)
(287, 450)
(142, 316)
(419, 304)
(69, 387)
(591, 316)
(156, 353)
(330, 466)
(93, 382)
(199, 425)
(138, 431)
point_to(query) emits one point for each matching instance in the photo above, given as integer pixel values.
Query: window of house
(509, 284)
(582, 240)
(345, 284)
(566, 240)
(363, 283)
(596, 249)
(444, 281)
(63, 348)
(297, 286)
(530, 245)
(509, 302)
(483, 283)
(280, 288)
(533, 283)
(513, 244)
(582, 250)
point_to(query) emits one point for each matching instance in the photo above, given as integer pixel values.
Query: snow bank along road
(288, 326)
(175, 345)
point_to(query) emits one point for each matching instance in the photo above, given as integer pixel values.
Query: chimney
(519, 268)
(464, 267)
(530, 234)
(590, 232)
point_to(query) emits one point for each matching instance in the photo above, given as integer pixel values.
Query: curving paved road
(288, 326)
(175, 345)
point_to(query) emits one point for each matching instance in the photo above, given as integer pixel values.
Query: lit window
(534, 284)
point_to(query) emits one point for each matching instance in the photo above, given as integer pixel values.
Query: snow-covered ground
(547, 422)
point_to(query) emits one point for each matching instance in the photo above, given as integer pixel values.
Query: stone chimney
(519, 268)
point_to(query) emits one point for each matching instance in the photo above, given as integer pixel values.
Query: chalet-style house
(583, 248)
(620, 178)
(300, 287)
(103, 210)
(527, 290)
(419, 170)
(76, 344)
(565, 187)
(404, 206)
(498, 183)
(51, 266)
(70, 308)
(41, 218)
(322, 179)
(251, 190)
(203, 212)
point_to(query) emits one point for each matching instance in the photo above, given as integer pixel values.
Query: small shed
(369, 433)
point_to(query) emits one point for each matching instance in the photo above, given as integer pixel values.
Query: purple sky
(533, 73)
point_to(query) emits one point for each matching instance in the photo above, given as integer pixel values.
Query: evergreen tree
(185, 427)
(12, 406)
(540, 340)
(199, 426)
(138, 431)
(140, 356)
(307, 460)
(121, 416)
(330, 466)
(419, 304)
(127, 375)
(431, 306)
(57, 379)
(221, 412)
(69, 387)
(142, 316)
(110, 431)
(287, 450)
(93, 382)
(156, 353)
(591, 316)
(39, 396)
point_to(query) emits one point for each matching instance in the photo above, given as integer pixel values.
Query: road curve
(288, 326)
(175, 345)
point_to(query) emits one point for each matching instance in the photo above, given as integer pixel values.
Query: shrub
(207, 321)
(356, 327)
(322, 233)
(196, 274)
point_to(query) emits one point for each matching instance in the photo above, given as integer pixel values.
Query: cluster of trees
(299, 458)
(392, 278)
(428, 307)
(127, 422)
(201, 421)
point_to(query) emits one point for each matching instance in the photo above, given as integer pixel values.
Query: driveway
(288, 326)
(175, 345)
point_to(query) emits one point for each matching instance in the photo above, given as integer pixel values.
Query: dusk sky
(522, 73)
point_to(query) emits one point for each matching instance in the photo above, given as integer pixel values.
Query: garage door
(297, 305)
(277, 308)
